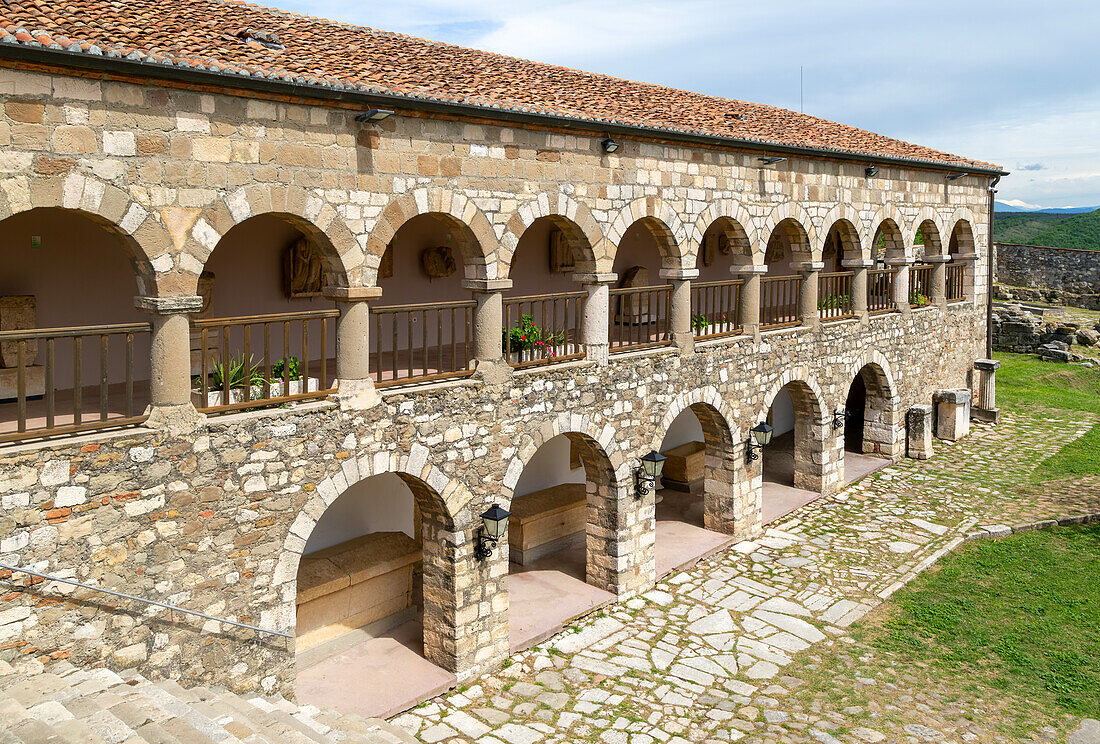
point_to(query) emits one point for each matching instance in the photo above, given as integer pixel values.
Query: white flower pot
(236, 395)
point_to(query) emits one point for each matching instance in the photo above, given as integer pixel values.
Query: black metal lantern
(645, 477)
(494, 526)
(839, 417)
(609, 145)
(760, 436)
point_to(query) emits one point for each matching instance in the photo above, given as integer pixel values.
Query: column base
(494, 372)
(684, 341)
(598, 353)
(176, 420)
(989, 416)
(356, 395)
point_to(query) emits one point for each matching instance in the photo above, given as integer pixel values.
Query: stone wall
(1061, 276)
(216, 520)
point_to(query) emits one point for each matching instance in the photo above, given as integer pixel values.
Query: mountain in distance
(1054, 229)
(1000, 206)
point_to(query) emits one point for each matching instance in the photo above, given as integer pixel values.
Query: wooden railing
(543, 329)
(779, 301)
(638, 317)
(956, 282)
(715, 308)
(880, 290)
(422, 342)
(262, 360)
(920, 285)
(47, 397)
(834, 295)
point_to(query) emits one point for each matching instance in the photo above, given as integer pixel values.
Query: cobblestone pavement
(752, 645)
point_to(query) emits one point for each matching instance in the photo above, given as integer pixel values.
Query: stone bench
(365, 583)
(684, 465)
(547, 521)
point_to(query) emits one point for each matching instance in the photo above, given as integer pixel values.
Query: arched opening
(371, 590)
(639, 305)
(870, 428)
(834, 293)
(887, 245)
(423, 327)
(560, 537)
(697, 505)
(265, 334)
(544, 309)
(75, 350)
(794, 464)
(781, 285)
(716, 295)
(961, 250)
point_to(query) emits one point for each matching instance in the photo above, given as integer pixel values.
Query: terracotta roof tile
(239, 38)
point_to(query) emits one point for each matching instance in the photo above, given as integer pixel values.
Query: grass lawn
(1024, 381)
(1020, 615)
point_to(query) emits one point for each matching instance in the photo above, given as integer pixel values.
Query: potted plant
(247, 381)
(699, 324)
(917, 299)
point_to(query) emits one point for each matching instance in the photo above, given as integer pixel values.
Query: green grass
(1024, 381)
(1020, 615)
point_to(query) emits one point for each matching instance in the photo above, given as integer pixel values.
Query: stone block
(17, 313)
(952, 414)
(918, 426)
(684, 466)
(34, 380)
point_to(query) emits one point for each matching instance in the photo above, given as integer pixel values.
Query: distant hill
(1002, 207)
(1055, 230)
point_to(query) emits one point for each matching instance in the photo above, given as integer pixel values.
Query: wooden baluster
(78, 389)
(21, 383)
(103, 376)
(129, 375)
(50, 402)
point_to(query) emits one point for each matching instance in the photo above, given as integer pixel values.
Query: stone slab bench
(547, 521)
(684, 466)
(367, 581)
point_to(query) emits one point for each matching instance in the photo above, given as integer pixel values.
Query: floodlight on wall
(870, 171)
(609, 145)
(839, 417)
(760, 436)
(494, 526)
(645, 477)
(956, 176)
(770, 160)
(374, 115)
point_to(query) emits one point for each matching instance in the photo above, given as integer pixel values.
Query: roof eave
(107, 64)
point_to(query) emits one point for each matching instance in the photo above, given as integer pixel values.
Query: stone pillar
(901, 282)
(679, 307)
(986, 407)
(354, 386)
(488, 328)
(918, 425)
(939, 279)
(859, 267)
(807, 293)
(170, 363)
(597, 315)
(952, 414)
(749, 309)
(970, 276)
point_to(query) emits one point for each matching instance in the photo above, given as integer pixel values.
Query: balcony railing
(638, 317)
(422, 342)
(543, 329)
(230, 376)
(779, 301)
(715, 308)
(956, 278)
(834, 295)
(880, 290)
(43, 393)
(920, 285)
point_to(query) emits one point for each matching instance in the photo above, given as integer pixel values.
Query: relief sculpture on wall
(303, 273)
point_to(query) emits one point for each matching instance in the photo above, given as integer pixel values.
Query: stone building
(289, 304)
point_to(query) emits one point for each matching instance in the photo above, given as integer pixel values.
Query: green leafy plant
(833, 302)
(527, 336)
(699, 323)
(290, 365)
(240, 373)
(917, 299)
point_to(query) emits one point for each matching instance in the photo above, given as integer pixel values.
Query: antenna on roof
(801, 108)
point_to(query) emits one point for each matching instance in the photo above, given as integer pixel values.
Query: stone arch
(851, 228)
(792, 218)
(447, 544)
(738, 226)
(883, 422)
(569, 215)
(930, 227)
(143, 238)
(481, 251)
(961, 231)
(663, 222)
(894, 229)
(730, 505)
(816, 460)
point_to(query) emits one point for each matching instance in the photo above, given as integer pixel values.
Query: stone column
(970, 276)
(354, 386)
(488, 328)
(597, 315)
(986, 408)
(952, 414)
(170, 363)
(859, 267)
(939, 279)
(808, 292)
(679, 307)
(918, 426)
(901, 282)
(749, 309)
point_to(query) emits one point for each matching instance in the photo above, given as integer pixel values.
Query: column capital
(964, 257)
(808, 267)
(678, 274)
(901, 261)
(351, 294)
(987, 365)
(936, 259)
(748, 269)
(596, 278)
(487, 285)
(173, 305)
(858, 263)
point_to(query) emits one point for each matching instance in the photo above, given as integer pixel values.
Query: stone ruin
(1021, 331)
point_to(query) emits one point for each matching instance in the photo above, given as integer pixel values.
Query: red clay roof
(242, 39)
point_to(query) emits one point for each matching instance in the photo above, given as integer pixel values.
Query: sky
(1008, 82)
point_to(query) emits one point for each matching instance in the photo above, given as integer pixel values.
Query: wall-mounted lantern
(839, 417)
(494, 526)
(645, 477)
(760, 436)
(374, 115)
(609, 145)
